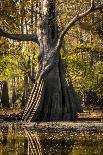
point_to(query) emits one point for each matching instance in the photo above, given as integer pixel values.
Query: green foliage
(84, 74)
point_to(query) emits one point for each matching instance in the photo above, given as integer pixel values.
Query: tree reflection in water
(19, 140)
(34, 146)
(39, 144)
(4, 135)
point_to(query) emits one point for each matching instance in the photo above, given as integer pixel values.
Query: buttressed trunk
(51, 98)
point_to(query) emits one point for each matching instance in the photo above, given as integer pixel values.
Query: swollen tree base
(52, 99)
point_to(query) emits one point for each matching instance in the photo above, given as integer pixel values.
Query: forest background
(82, 51)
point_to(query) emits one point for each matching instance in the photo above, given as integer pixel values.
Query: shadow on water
(20, 140)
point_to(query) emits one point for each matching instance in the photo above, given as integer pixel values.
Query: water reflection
(47, 144)
(17, 140)
(34, 146)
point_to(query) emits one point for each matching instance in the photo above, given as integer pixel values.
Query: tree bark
(50, 99)
(5, 95)
(19, 37)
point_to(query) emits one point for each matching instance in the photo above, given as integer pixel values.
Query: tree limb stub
(75, 20)
(19, 37)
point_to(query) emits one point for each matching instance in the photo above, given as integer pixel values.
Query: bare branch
(75, 20)
(19, 37)
(92, 3)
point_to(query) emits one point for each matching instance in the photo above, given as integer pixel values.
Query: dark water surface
(15, 139)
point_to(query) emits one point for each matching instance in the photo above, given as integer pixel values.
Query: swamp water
(17, 139)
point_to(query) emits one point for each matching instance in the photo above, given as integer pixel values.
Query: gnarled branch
(19, 37)
(75, 20)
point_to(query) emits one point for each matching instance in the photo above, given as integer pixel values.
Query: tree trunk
(5, 95)
(14, 92)
(51, 99)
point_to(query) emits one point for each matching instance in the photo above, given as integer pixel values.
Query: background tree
(5, 96)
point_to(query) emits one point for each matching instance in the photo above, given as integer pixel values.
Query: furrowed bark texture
(51, 98)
